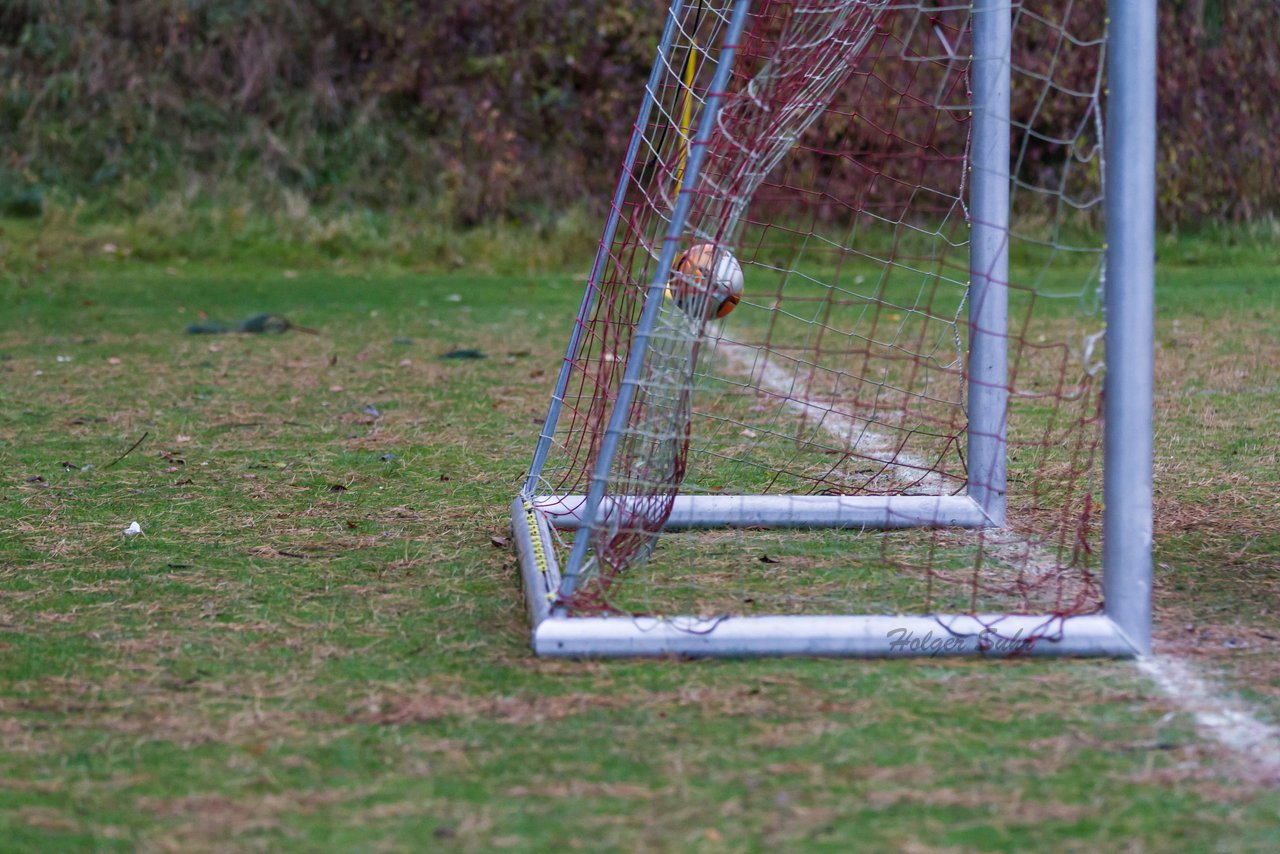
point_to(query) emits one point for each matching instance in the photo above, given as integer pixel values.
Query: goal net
(903, 414)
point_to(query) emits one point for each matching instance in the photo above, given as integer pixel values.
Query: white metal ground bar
(541, 577)
(872, 512)
(856, 637)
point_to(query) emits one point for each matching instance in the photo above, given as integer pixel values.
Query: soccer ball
(707, 278)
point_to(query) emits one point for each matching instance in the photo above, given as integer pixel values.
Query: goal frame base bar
(851, 636)
(867, 512)
(872, 636)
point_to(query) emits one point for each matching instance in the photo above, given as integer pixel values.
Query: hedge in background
(479, 108)
(474, 108)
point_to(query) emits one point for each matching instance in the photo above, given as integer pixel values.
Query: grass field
(319, 638)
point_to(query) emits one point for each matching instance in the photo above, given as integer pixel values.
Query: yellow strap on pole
(686, 116)
(539, 551)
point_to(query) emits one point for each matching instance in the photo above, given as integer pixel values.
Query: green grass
(317, 643)
(234, 233)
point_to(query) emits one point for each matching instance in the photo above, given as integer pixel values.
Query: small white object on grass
(133, 530)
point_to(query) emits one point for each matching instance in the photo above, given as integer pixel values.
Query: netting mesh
(837, 172)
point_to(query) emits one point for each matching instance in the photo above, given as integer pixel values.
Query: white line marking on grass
(1222, 719)
(854, 433)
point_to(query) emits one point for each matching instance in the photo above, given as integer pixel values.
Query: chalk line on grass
(854, 433)
(1222, 719)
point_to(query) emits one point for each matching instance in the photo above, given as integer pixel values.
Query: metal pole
(653, 300)
(871, 636)
(863, 512)
(602, 251)
(1130, 306)
(989, 257)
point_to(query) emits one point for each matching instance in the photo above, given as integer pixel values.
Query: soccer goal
(899, 401)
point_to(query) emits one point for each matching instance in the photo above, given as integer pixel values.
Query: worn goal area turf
(319, 638)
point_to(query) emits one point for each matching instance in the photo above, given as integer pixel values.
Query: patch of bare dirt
(995, 800)
(429, 704)
(47, 818)
(583, 789)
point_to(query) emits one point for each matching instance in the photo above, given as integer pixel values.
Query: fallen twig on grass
(132, 448)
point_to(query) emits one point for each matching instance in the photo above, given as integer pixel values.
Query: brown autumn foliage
(478, 109)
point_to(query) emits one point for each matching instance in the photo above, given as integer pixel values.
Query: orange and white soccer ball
(708, 278)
